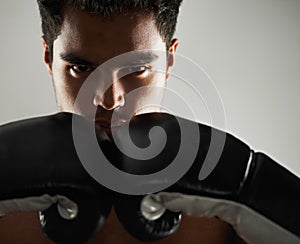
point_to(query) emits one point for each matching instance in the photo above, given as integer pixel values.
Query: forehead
(102, 38)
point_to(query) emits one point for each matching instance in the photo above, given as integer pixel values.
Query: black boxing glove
(162, 224)
(257, 196)
(40, 171)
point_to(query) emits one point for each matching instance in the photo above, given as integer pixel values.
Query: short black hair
(165, 13)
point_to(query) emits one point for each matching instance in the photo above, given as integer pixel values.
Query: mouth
(107, 126)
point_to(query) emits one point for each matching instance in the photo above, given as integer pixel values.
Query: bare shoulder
(21, 228)
(25, 228)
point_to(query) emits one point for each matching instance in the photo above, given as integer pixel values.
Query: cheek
(154, 79)
(146, 95)
(66, 86)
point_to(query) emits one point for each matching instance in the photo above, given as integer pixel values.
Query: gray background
(250, 49)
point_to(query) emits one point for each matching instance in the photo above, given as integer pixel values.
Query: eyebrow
(140, 58)
(74, 59)
(143, 57)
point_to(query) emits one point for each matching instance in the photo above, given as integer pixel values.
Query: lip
(108, 127)
(107, 124)
(103, 123)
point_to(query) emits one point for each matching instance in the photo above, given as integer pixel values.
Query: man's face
(87, 41)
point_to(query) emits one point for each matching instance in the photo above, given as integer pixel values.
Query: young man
(78, 36)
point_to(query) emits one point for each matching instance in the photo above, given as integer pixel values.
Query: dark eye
(81, 68)
(134, 70)
(137, 69)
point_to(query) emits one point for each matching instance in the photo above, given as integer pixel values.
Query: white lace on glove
(66, 208)
(249, 225)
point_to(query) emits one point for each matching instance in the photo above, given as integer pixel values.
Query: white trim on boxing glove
(66, 208)
(249, 225)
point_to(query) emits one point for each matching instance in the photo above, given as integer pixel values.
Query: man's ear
(47, 55)
(171, 55)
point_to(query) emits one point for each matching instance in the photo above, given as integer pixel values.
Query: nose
(113, 97)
